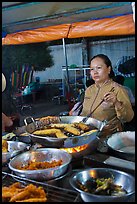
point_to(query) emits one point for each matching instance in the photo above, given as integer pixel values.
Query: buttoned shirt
(108, 111)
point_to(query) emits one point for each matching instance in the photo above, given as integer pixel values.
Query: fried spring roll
(72, 130)
(60, 134)
(61, 125)
(33, 200)
(46, 132)
(82, 126)
(89, 132)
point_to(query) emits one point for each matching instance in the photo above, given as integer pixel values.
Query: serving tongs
(84, 120)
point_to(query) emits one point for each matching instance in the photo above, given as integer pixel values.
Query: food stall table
(93, 160)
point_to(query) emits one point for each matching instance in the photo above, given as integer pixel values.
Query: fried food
(40, 165)
(50, 132)
(33, 200)
(82, 126)
(49, 119)
(60, 134)
(61, 125)
(4, 146)
(54, 128)
(89, 132)
(18, 193)
(72, 130)
(8, 192)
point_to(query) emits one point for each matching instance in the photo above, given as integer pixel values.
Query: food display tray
(54, 193)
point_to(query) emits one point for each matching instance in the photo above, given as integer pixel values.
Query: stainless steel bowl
(122, 144)
(42, 154)
(14, 148)
(123, 179)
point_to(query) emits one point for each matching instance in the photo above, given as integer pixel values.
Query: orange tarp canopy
(121, 25)
(38, 35)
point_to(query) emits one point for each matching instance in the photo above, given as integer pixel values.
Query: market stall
(76, 141)
(77, 152)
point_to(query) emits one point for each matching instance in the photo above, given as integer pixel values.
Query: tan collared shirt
(107, 111)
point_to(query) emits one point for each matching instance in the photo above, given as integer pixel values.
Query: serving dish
(41, 155)
(14, 148)
(122, 144)
(71, 141)
(125, 180)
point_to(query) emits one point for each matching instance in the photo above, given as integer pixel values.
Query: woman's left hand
(110, 97)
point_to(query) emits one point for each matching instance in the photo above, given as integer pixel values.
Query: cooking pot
(66, 142)
(122, 144)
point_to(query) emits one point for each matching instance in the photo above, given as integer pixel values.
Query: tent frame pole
(66, 62)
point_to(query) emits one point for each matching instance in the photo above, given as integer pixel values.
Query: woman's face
(99, 70)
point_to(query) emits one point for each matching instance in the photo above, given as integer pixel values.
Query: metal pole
(65, 55)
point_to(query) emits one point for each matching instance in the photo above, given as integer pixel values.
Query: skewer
(86, 118)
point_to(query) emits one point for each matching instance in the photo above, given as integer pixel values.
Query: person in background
(77, 108)
(89, 82)
(6, 121)
(129, 126)
(116, 107)
(120, 79)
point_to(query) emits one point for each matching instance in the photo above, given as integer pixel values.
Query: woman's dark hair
(107, 62)
(119, 79)
(89, 82)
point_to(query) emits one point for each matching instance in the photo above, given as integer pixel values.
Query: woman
(116, 107)
(77, 108)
